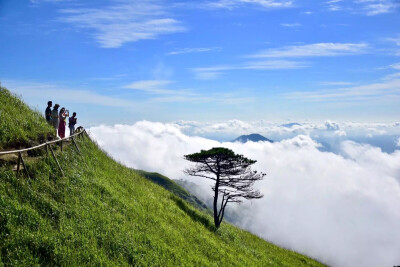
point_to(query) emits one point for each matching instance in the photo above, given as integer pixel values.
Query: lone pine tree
(232, 174)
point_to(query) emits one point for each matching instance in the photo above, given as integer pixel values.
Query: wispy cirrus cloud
(193, 50)
(151, 86)
(291, 25)
(386, 90)
(231, 4)
(377, 7)
(396, 75)
(218, 99)
(208, 73)
(123, 22)
(333, 5)
(395, 66)
(395, 40)
(336, 83)
(36, 90)
(51, 1)
(162, 94)
(314, 50)
(366, 7)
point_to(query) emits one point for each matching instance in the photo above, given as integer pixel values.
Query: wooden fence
(48, 147)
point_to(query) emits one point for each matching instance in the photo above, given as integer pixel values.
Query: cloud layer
(342, 209)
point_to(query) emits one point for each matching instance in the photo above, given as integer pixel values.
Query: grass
(19, 125)
(102, 213)
(175, 188)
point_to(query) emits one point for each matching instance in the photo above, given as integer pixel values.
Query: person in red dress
(61, 127)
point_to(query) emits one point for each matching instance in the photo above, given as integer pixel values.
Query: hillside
(175, 188)
(19, 125)
(102, 213)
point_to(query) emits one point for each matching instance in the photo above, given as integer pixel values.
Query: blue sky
(121, 61)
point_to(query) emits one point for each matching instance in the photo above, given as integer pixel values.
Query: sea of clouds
(327, 193)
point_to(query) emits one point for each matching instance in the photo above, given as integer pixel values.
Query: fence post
(77, 148)
(18, 163)
(23, 164)
(58, 164)
(79, 151)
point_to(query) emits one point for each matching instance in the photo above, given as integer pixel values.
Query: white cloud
(386, 90)
(393, 76)
(333, 1)
(157, 87)
(51, 1)
(334, 8)
(194, 50)
(332, 126)
(366, 7)
(340, 133)
(152, 86)
(376, 131)
(336, 83)
(231, 129)
(314, 50)
(127, 21)
(230, 4)
(273, 65)
(394, 40)
(398, 142)
(377, 7)
(35, 90)
(207, 73)
(342, 209)
(395, 66)
(291, 25)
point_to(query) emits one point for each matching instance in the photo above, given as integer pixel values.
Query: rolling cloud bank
(327, 194)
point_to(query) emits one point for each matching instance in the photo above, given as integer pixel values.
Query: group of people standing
(58, 119)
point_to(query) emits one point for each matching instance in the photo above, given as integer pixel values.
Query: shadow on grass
(195, 215)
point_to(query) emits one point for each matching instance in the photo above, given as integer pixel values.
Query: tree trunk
(216, 219)
(223, 211)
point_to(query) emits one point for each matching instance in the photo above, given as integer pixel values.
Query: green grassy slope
(19, 125)
(175, 188)
(102, 213)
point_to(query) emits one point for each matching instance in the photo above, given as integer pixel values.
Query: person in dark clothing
(47, 113)
(71, 124)
(54, 117)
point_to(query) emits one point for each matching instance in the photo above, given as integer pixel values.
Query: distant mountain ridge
(291, 124)
(253, 138)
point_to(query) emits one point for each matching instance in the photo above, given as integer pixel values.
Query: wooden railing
(48, 147)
